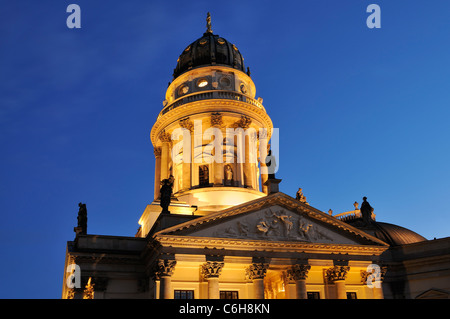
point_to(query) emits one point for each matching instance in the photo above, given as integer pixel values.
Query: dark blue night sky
(361, 112)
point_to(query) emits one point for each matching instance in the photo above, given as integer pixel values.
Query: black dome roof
(391, 234)
(210, 49)
(395, 235)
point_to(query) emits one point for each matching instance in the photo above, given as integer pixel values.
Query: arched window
(203, 175)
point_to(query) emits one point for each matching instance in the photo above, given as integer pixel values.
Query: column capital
(378, 274)
(298, 272)
(336, 273)
(211, 269)
(263, 133)
(165, 137)
(244, 122)
(216, 119)
(157, 151)
(257, 270)
(164, 267)
(187, 124)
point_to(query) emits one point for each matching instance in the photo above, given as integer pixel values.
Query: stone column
(337, 275)
(165, 154)
(299, 273)
(197, 152)
(157, 152)
(211, 272)
(253, 160)
(262, 134)
(188, 148)
(256, 272)
(240, 145)
(242, 150)
(164, 270)
(217, 123)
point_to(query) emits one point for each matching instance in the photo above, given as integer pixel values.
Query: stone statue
(82, 219)
(366, 211)
(271, 164)
(228, 173)
(300, 197)
(166, 193)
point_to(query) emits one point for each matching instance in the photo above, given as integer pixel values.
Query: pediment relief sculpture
(273, 223)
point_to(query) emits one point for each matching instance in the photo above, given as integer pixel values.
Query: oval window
(202, 83)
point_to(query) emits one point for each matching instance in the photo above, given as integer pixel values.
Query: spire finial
(208, 23)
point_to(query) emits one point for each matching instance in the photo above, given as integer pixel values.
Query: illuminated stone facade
(230, 233)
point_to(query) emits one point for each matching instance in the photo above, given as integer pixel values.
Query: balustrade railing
(208, 95)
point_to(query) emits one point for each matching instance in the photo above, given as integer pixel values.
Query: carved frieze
(274, 224)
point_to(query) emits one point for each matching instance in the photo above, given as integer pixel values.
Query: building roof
(396, 235)
(391, 234)
(210, 49)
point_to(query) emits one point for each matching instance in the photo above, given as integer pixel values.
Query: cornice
(174, 241)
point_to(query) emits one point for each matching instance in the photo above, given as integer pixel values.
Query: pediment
(277, 217)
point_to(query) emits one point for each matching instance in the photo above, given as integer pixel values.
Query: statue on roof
(166, 193)
(271, 164)
(300, 197)
(82, 219)
(366, 211)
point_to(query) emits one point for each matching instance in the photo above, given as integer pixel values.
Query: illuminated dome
(208, 50)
